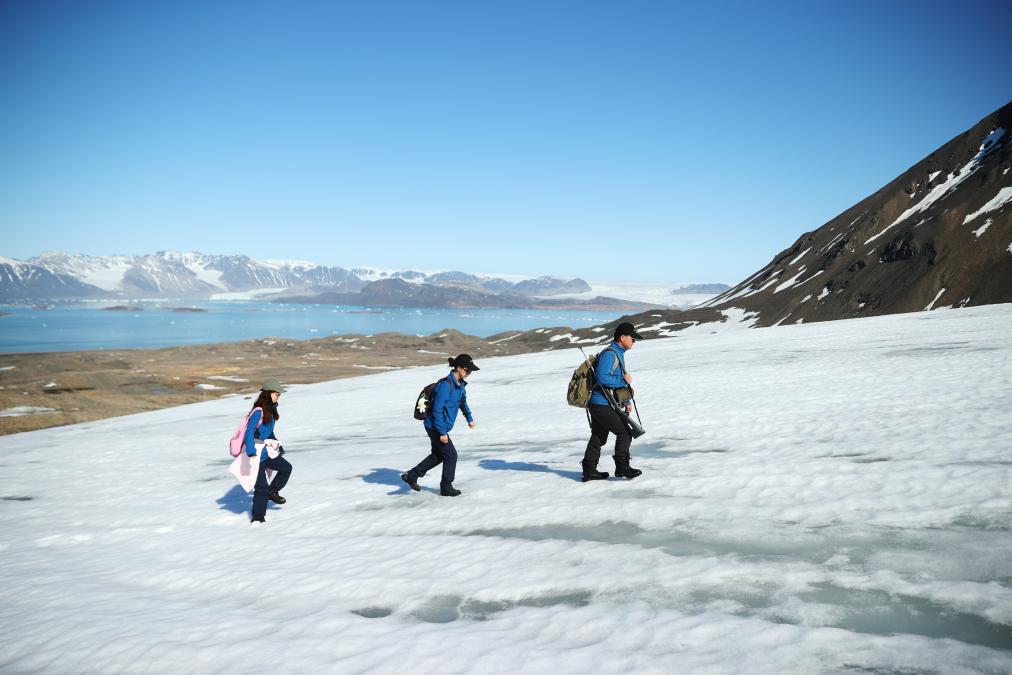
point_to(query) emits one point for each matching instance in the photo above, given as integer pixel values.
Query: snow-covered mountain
(544, 286)
(55, 275)
(784, 523)
(26, 281)
(164, 274)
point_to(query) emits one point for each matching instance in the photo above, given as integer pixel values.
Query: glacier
(827, 497)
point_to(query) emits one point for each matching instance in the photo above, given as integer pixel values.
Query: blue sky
(653, 141)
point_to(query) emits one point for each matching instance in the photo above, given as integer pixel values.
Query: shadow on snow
(238, 500)
(235, 500)
(500, 465)
(391, 477)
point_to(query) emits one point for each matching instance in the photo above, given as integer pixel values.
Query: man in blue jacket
(448, 398)
(610, 373)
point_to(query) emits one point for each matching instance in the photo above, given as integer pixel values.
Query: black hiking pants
(602, 421)
(441, 453)
(263, 488)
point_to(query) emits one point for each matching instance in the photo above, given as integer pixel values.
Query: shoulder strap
(597, 361)
(618, 361)
(435, 385)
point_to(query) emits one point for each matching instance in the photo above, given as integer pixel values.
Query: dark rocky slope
(938, 235)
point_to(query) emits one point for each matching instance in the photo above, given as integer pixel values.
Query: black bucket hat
(464, 361)
(626, 328)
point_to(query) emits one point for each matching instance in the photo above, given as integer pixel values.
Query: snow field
(829, 497)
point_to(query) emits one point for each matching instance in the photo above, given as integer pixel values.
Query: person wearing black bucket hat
(610, 373)
(448, 398)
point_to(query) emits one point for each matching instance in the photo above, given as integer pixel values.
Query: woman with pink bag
(260, 439)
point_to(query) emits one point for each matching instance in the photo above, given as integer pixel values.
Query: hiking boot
(276, 497)
(410, 479)
(449, 491)
(258, 522)
(623, 470)
(594, 475)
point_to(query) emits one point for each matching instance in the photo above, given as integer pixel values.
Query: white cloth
(245, 468)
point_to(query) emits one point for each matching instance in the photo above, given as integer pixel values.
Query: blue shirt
(448, 399)
(608, 372)
(265, 431)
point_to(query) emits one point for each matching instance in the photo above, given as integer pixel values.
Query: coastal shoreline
(42, 390)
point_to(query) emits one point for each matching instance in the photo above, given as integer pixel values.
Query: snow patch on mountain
(800, 256)
(932, 303)
(1003, 197)
(982, 229)
(735, 319)
(790, 282)
(951, 182)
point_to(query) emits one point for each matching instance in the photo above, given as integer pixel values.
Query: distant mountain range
(172, 274)
(163, 274)
(399, 293)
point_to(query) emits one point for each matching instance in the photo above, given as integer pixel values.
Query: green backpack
(581, 384)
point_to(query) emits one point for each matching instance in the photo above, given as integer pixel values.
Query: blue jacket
(449, 397)
(608, 373)
(265, 431)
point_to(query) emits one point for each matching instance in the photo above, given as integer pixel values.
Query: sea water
(81, 326)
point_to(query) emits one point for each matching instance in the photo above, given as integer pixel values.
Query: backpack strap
(259, 421)
(618, 364)
(463, 393)
(618, 361)
(447, 379)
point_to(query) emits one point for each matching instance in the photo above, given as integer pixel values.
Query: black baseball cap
(464, 361)
(626, 328)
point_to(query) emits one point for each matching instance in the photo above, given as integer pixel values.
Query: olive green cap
(272, 385)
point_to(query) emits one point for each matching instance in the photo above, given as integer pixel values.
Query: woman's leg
(435, 456)
(284, 471)
(449, 454)
(260, 492)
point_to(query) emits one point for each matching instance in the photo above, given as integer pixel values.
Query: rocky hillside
(939, 235)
